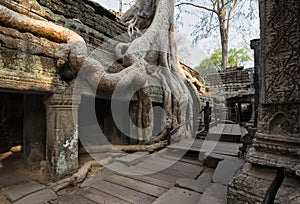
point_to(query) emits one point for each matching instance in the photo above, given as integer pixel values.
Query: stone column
(255, 45)
(277, 142)
(252, 111)
(62, 134)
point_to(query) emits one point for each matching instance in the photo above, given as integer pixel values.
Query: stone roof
(27, 61)
(235, 81)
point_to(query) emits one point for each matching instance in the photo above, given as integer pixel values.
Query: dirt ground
(17, 165)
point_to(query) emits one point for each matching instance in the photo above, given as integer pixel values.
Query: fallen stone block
(216, 194)
(18, 191)
(132, 159)
(178, 196)
(199, 185)
(39, 197)
(226, 169)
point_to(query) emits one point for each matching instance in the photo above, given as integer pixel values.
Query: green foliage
(236, 57)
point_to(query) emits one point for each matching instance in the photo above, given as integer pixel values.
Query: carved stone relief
(281, 54)
(280, 120)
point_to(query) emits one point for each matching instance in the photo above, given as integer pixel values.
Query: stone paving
(29, 192)
(187, 180)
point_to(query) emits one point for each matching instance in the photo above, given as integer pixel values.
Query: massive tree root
(150, 56)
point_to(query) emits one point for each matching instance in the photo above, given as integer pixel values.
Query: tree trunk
(224, 39)
(224, 42)
(120, 7)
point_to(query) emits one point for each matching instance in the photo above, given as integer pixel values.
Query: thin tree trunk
(224, 38)
(224, 42)
(120, 7)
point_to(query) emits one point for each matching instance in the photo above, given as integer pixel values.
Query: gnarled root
(80, 176)
(151, 55)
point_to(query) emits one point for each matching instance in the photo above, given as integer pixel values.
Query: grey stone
(39, 197)
(188, 183)
(226, 169)
(117, 167)
(199, 185)
(16, 192)
(212, 160)
(115, 154)
(216, 194)
(132, 159)
(178, 196)
(205, 179)
(99, 156)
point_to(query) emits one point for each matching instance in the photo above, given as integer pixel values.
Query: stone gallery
(59, 58)
(76, 78)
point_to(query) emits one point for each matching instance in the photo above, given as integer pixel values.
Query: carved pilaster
(252, 119)
(277, 141)
(256, 46)
(279, 110)
(62, 134)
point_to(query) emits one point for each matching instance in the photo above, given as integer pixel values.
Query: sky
(192, 54)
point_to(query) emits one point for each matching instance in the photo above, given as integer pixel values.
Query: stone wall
(28, 66)
(277, 142)
(27, 62)
(255, 45)
(231, 75)
(234, 82)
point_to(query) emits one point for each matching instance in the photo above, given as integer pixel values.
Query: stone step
(132, 159)
(211, 160)
(208, 146)
(215, 194)
(39, 197)
(226, 169)
(178, 196)
(198, 185)
(18, 191)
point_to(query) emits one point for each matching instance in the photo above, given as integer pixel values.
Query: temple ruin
(60, 62)
(237, 85)
(46, 99)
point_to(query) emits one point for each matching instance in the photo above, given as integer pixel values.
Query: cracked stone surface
(18, 191)
(39, 197)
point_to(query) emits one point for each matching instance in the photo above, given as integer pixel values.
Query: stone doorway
(246, 111)
(11, 121)
(22, 122)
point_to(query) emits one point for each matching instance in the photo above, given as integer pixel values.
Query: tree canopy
(218, 16)
(236, 57)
